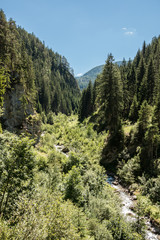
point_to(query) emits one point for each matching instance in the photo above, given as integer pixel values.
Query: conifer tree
(150, 148)
(131, 78)
(133, 114)
(86, 103)
(140, 75)
(110, 95)
(156, 115)
(144, 120)
(137, 58)
(151, 83)
(4, 80)
(124, 71)
(144, 49)
(3, 36)
(82, 110)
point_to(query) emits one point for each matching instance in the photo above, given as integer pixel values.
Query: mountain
(40, 80)
(91, 75)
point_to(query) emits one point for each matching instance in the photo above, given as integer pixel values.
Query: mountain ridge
(91, 75)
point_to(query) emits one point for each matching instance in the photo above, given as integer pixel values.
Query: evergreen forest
(58, 145)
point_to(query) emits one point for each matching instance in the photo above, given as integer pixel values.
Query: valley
(57, 143)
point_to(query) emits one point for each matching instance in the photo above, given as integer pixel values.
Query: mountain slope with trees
(39, 79)
(53, 182)
(126, 106)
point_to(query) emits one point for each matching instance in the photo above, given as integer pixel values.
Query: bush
(130, 171)
(74, 186)
(50, 118)
(16, 169)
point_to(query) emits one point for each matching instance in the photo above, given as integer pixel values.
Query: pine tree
(137, 58)
(3, 36)
(126, 100)
(150, 148)
(86, 103)
(140, 76)
(110, 95)
(151, 83)
(82, 107)
(156, 117)
(144, 120)
(144, 49)
(4, 81)
(133, 114)
(131, 78)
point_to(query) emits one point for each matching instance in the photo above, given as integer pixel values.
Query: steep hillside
(125, 102)
(39, 79)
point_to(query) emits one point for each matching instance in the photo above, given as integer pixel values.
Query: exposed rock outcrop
(19, 112)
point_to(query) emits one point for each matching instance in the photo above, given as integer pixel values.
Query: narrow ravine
(127, 200)
(127, 204)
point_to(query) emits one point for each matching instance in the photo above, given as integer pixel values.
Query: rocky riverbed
(127, 208)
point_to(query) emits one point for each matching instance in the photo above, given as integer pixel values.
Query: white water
(127, 203)
(59, 148)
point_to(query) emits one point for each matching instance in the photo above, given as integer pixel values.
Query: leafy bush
(130, 170)
(16, 169)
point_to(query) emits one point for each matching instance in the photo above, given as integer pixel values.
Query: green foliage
(133, 114)
(86, 105)
(151, 188)
(50, 118)
(144, 120)
(121, 230)
(45, 77)
(3, 83)
(16, 170)
(109, 95)
(99, 231)
(73, 186)
(128, 172)
(59, 196)
(0, 128)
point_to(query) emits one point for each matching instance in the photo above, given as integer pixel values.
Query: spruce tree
(133, 114)
(4, 81)
(151, 83)
(140, 76)
(86, 103)
(110, 95)
(131, 78)
(144, 120)
(124, 71)
(3, 37)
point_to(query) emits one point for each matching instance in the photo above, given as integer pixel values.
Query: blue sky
(85, 31)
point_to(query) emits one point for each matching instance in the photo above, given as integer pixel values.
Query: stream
(127, 204)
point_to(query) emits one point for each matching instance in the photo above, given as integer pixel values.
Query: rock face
(16, 108)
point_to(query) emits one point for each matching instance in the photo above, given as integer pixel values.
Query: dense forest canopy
(44, 77)
(124, 101)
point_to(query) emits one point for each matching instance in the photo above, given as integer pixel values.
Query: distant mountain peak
(91, 75)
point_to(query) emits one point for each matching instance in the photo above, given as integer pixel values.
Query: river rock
(130, 214)
(132, 207)
(65, 150)
(134, 197)
(115, 183)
